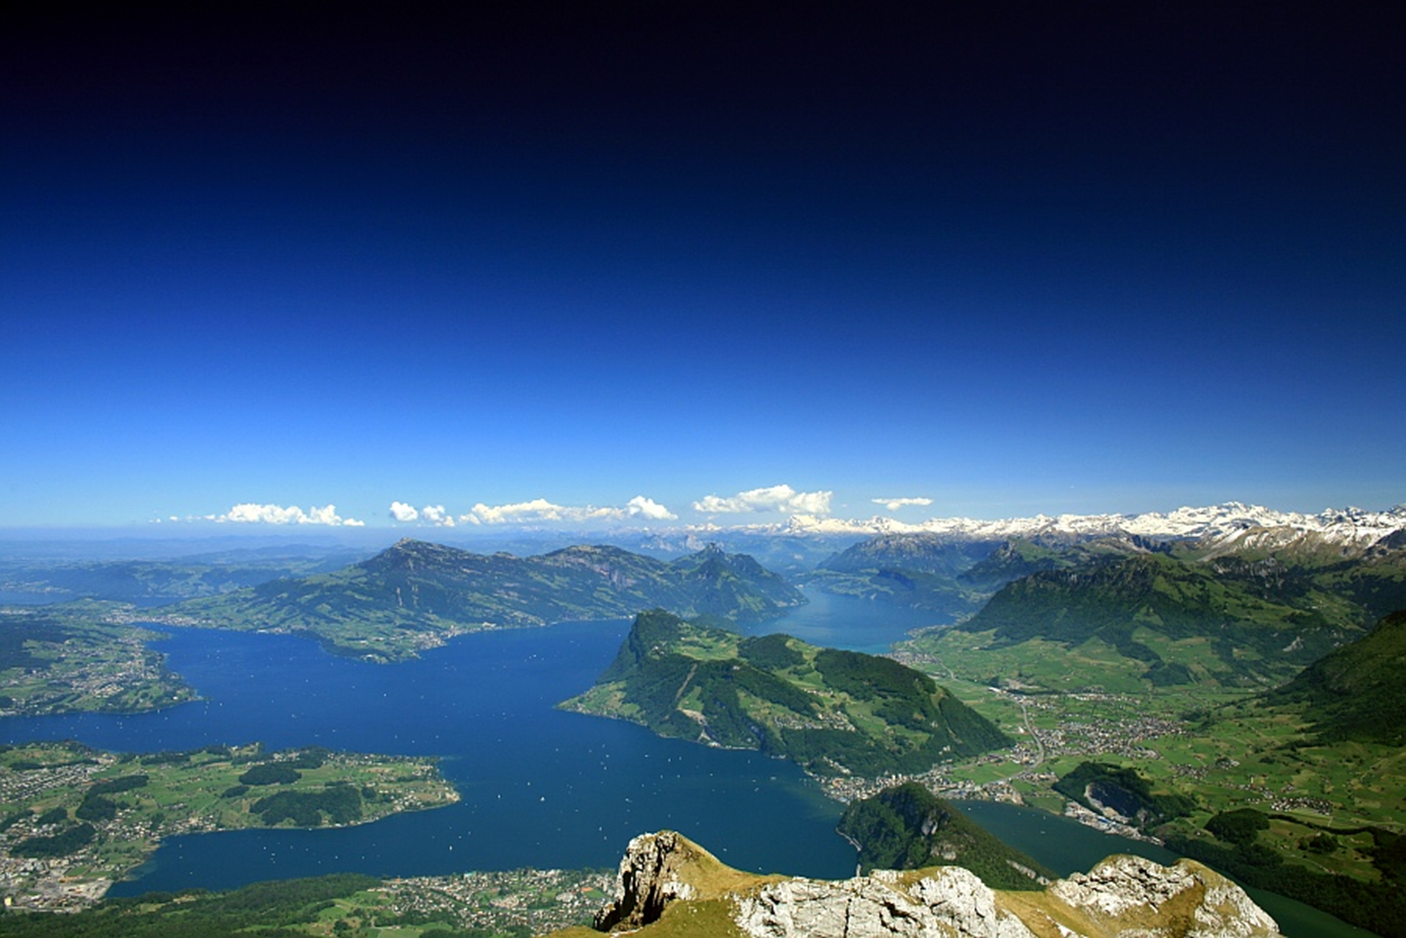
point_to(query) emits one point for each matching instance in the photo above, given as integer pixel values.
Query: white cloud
(649, 508)
(774, 498)
(250, 513)
(893, 504)
(539, 509)
(435, 514)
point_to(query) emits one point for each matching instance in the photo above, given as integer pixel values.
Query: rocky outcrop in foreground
(1122, 897)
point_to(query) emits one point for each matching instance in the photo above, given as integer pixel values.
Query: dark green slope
(1016, 559)
(1305, 570)
(1250, 637)
(907, 827)
(833, 712)
(377, 607)
(1357, 691)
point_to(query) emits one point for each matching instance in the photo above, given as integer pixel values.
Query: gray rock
(1129, 895)
(648, 881)
(952, 903)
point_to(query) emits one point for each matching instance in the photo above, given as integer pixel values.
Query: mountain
(918, 570)
(1181, 620)
(833, 712)
(907, 827)
(414, 594)
(671, 886)
(921, 551)
(1353, 525)
(1357, 691)
(1016, 559)
(951, 566)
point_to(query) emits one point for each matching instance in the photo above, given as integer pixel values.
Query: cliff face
(1122, 897)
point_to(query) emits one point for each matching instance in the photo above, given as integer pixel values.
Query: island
(75, 819)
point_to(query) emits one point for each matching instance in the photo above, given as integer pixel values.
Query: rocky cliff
(670, 885)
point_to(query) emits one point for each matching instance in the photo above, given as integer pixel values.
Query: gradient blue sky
(1111, 257)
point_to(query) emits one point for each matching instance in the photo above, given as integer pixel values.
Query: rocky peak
(1122, 897)
(649, 880)
(1127, 895)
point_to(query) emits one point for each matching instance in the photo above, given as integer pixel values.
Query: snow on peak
(1229, 520)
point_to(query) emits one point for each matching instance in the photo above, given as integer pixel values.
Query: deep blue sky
(1110, 257)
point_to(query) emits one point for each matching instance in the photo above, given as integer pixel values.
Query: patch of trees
(96, 808)
(270, 773)
(868, 677)
(19, 631)
(770, 652)
(58, 845)
(114, 785)
(313, 757)
(340, 803)
(1240, 826)
(52, 816)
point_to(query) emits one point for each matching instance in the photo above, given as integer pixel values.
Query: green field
(81, 656)
(87, 817)
(1334, 807)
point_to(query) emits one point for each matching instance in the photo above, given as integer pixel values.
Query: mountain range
(1227, 520)
(414, 595)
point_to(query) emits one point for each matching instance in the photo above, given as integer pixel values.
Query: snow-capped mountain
(1230, 521)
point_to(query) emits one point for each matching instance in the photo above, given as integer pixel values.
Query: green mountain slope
(1357, 691)
(833, 712)
(1307, 570)
(1016, 559)
(1179, 619)
(414, 595)
(907, 827)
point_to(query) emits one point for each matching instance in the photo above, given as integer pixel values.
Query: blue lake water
(539, 787)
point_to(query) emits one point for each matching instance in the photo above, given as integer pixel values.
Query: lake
(540, 787)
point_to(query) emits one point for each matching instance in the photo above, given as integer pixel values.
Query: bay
(539, 786)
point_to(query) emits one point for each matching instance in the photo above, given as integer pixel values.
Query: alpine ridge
(1355, 526)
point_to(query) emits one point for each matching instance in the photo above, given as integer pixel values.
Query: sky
(680, 263)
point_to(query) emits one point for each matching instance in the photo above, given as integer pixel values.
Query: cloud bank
(536, 510)
(776, 498)
(250, 513)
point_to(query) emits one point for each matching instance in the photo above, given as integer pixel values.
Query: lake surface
(539, 787)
